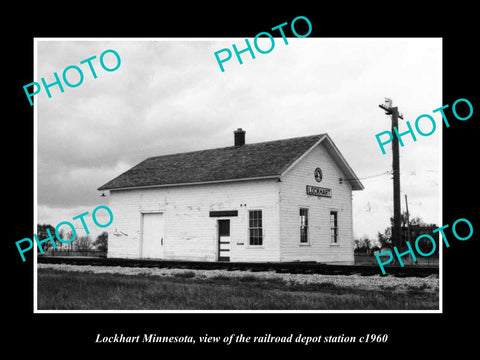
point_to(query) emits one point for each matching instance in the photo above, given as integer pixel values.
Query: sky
(170, 96)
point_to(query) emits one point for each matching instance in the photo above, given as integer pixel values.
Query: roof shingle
(265, 159)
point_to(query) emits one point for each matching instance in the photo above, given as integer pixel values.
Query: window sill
(334, 244)
(255, 247)
(304, 244)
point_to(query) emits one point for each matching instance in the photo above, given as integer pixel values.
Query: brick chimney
(239, 135)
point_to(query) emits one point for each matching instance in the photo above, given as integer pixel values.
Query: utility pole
(396, 231)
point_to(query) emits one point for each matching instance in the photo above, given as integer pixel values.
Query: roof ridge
(233, 146)
(256, 160)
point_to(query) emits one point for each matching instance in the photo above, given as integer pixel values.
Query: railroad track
(279, 267)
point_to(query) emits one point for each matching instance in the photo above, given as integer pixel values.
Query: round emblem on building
(318, 174)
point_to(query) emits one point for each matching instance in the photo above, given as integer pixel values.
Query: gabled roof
(263, 160)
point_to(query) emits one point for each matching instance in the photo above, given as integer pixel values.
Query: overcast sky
(170, 96)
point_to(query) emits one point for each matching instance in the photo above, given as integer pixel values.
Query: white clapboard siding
(189, 232)
(293, 196)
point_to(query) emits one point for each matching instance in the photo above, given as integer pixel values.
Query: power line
(388, 172)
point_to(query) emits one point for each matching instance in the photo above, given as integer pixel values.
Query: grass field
(189, 290)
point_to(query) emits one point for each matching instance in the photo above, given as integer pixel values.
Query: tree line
(81, 243)
(418, 227)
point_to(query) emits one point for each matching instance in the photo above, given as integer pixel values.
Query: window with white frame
(303, 226)
(333, 227)
(255, 227)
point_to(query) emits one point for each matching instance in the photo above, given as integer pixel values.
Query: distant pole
(396, 231)
(408, 218)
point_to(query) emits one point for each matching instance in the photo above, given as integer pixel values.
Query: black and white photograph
(230, 188)
(243, 166)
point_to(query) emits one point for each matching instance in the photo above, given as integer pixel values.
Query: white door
(152, 236)
(223, 240)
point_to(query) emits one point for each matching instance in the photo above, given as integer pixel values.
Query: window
(223, 227)
(303, 226)
(255, 230)
(333, 227)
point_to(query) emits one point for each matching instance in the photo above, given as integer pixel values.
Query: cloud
(170, 96)
(72, 186)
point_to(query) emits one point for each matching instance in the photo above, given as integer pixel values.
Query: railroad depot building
(284, 200)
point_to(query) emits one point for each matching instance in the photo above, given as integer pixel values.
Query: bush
(185, 274)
